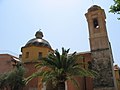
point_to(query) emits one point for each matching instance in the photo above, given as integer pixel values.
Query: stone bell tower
(102, 60)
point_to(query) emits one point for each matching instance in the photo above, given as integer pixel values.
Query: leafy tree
(115, 8)
(3, 83)
(60, 68)
(13, 79)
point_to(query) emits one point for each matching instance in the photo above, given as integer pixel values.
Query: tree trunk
(50, 86)
(61, 86)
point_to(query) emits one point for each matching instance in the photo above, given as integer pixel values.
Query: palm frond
(58, 59)
(34, 75)
(74, 81)
(60, 67)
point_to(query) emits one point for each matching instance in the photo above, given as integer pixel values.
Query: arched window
(95, 23)
(27, 55)
(39, 55)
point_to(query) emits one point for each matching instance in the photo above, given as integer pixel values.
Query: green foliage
(13, 79)
(115, 8)
(59, 68)
(3, 83)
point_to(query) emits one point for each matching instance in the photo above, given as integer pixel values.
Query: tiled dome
(38, 41)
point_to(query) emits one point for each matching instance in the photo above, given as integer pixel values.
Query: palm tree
(60, 68)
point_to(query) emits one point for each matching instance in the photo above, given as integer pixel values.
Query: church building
(99, 57)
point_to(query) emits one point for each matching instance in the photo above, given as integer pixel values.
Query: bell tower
(97, 28)
(102, 59)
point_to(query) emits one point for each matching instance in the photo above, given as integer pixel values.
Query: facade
(117, 75)
(85, 83)
(32, 52)
(99, 57)
(7, 62)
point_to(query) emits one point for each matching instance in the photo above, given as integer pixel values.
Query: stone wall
(102, 64)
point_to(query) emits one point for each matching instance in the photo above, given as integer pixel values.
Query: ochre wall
(30, 63)
(33, 53)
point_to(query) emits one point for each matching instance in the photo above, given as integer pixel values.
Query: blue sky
(62, 21)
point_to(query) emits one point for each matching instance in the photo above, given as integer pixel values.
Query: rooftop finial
(39, 34)
(39, 29)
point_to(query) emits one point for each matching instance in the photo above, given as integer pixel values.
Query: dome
(38, 41)
(94, 8)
